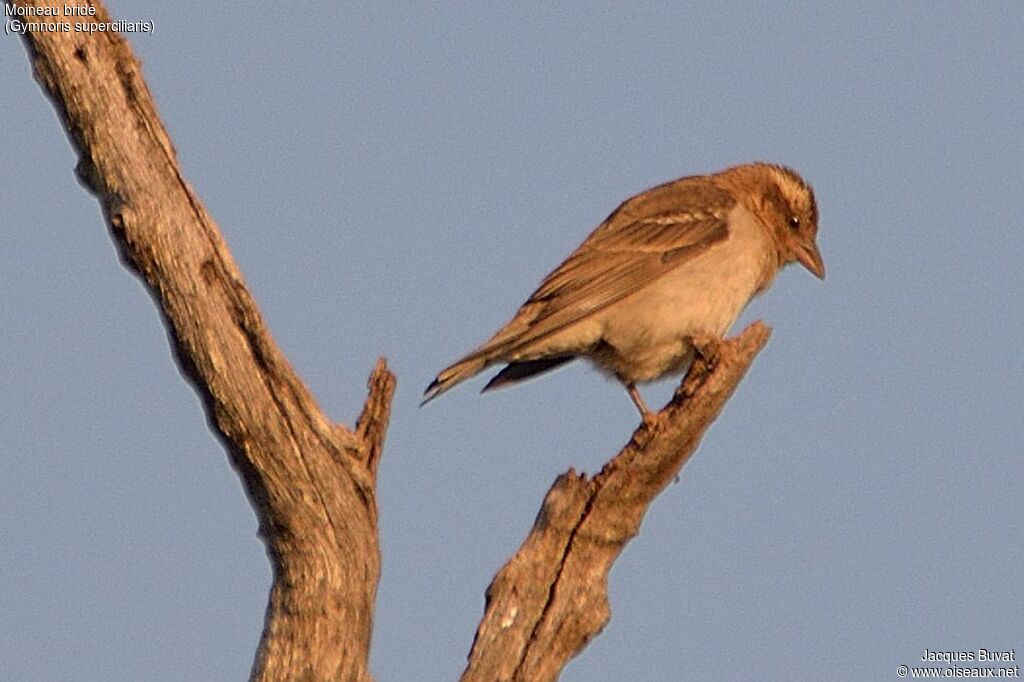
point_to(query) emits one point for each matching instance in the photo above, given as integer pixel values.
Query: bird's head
(792, 214)
(785, 204)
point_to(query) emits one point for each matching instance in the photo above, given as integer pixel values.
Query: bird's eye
(794, 223)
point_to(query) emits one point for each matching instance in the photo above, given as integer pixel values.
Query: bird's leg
(638, 400)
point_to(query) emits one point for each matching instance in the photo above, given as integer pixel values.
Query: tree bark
(551, 598)
(312, 482)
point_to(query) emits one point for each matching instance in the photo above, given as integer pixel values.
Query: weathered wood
(311, 481)
(551, 598)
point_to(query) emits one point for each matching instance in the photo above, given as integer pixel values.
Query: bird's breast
(644, 336)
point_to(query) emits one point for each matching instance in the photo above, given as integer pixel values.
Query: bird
(663, 278)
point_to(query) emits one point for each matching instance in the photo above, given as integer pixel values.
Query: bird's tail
(465, 368)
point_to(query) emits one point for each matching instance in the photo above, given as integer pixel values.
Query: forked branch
(312, 481)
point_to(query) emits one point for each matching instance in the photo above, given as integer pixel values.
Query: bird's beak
(810, 258)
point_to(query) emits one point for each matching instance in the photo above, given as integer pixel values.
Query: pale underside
(646, 334)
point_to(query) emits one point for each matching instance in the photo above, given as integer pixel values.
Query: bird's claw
(650, 419)
(707, 346)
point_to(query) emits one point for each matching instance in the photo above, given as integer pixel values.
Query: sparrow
(662, 278)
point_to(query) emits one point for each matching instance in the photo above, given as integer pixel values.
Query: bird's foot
(650, 418)
(707, 346)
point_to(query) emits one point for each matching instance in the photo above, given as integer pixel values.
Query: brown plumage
(676, 263)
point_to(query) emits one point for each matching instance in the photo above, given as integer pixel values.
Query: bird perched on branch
(663, 277)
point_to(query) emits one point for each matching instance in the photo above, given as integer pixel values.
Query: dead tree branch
(311, 481)
(551, 598)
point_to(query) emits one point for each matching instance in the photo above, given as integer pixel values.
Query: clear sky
(395, 179)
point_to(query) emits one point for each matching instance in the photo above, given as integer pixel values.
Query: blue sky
(395, 179)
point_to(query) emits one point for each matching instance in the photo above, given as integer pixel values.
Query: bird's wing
(646, 237)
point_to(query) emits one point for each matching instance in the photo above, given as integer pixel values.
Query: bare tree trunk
(313, 482)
